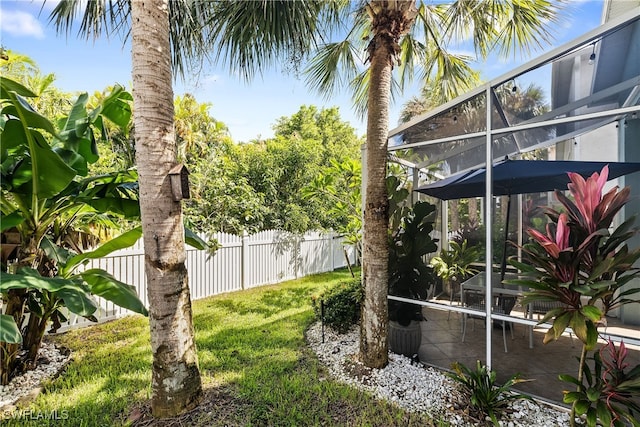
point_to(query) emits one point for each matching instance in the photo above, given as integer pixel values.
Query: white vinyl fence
(242, 262)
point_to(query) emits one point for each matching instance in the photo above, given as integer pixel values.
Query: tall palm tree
(411, 34)
(166, 34)
(388, 26)
(175, 380)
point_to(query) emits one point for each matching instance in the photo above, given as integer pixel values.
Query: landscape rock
(415, 387)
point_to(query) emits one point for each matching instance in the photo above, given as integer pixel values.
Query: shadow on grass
(110, 368)
(256, 370)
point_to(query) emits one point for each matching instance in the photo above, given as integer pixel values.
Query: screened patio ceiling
(571, 90)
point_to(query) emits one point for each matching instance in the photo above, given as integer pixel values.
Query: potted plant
(455, 264)
(409, 275)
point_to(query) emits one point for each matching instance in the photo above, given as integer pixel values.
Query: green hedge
(341, 305)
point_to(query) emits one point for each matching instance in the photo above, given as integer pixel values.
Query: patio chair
(503, 305)
(540, 308)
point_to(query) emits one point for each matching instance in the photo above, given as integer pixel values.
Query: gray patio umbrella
(520, 177)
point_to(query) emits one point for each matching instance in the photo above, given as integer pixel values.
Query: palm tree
(175, 380)
(161, 28)
(388, 26)
(410, 33)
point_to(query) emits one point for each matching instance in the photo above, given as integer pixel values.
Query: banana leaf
(9, 332)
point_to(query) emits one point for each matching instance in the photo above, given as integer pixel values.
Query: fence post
(297, 265)
(244, 261)
(330, 236)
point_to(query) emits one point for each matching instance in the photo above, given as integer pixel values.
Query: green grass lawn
(255, 365)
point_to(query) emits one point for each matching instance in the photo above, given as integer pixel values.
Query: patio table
(478, 283)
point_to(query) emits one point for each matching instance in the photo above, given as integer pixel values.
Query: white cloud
(20, 24)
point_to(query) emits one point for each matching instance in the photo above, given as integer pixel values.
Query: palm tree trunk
(375, 257)
(454, 215)
(176, 383)
(473, 210)
(389, 21)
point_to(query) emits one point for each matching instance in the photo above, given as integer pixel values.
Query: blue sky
(248, 109)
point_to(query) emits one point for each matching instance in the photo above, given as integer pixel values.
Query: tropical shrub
(48, 203)
(582, 266)
(455, 264)
(341, 305)
(409, 275)
(609, 391)
(482, 390)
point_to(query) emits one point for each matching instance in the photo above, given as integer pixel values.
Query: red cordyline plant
(619, 386)
(582, 266)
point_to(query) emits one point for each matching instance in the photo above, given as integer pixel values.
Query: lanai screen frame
(604, 117)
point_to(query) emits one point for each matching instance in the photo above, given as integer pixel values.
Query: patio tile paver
(442, 345)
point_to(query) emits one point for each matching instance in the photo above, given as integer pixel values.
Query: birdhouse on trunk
(179, 176)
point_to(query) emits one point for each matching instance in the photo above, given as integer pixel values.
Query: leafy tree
(305, 146)
(256, 186)
(222, 198)
(340, 186)
(336, 139)
(51, 102)
(274, 170)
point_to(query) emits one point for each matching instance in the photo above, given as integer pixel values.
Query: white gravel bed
(415, 387)
(50, 361)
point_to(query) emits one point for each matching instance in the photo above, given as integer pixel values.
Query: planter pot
(405, 339)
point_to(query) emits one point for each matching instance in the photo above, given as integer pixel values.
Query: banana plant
(46, 198)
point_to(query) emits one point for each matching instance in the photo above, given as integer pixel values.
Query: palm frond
(431, 23)
(360, 88)
(333, 66)
(452, 73)
(250, 36)
(528, 26)
(465, 18)
(97, 17)
(412, 54)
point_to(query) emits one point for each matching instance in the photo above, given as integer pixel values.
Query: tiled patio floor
(442, 345)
